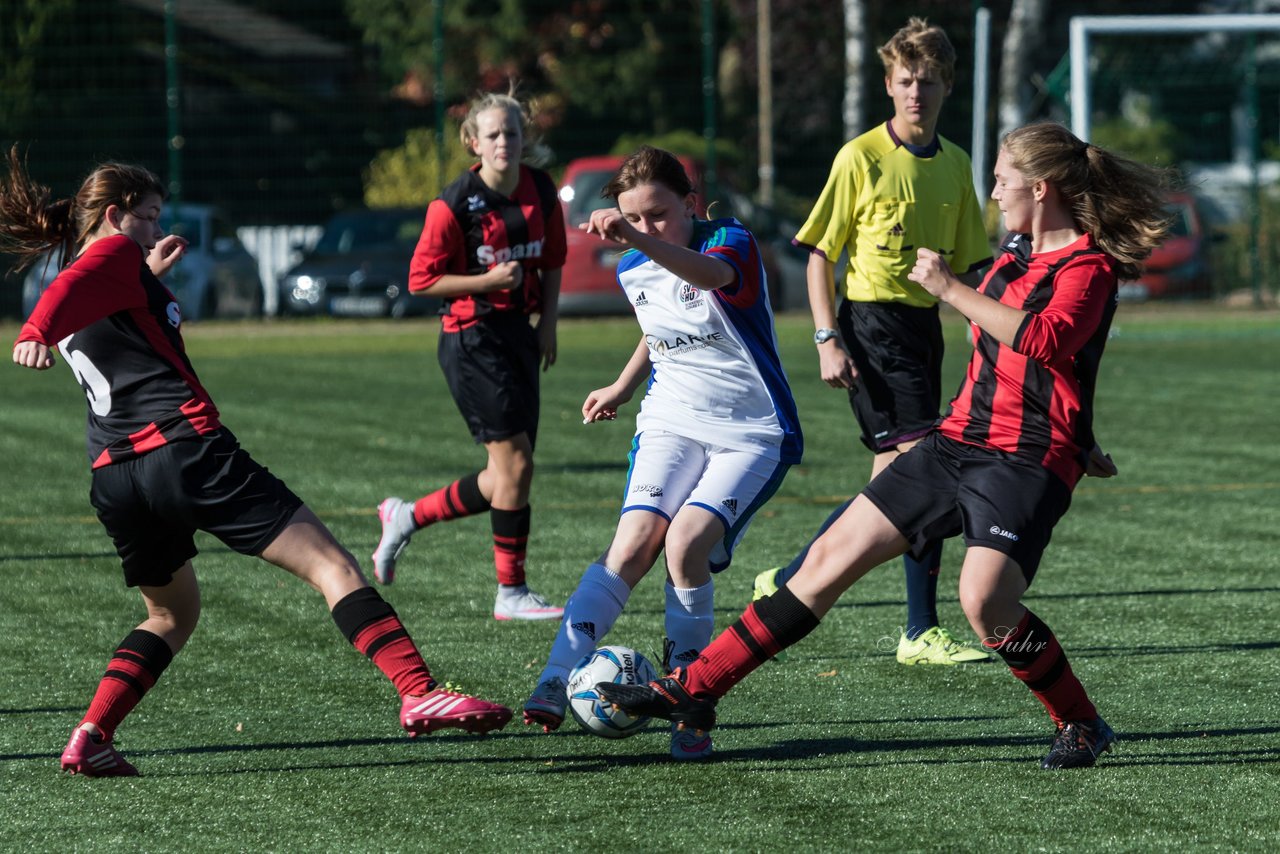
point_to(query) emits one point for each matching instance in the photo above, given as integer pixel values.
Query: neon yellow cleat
(766, 583)
(937, 646)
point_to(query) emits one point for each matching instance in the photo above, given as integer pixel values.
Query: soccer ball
(619, 664)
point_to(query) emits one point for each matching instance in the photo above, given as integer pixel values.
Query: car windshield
(188, 227)
(1180, 220)
(586, 195)
(355, 232)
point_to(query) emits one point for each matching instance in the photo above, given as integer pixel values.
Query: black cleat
(663, 698)
(1079, 744)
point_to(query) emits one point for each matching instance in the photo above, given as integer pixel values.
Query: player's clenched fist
(610, 223)
(33, 354)
(932, 273)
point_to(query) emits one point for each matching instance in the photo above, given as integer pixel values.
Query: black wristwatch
(822, 336)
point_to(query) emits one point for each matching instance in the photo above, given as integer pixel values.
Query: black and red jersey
(118, 328)
(1035, 399)
(472, 228)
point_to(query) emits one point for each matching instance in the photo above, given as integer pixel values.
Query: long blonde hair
(32, 222)
(1118, 201)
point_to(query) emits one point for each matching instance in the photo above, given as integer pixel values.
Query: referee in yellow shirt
(895, 188)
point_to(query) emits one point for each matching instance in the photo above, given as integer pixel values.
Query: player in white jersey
(716, 432)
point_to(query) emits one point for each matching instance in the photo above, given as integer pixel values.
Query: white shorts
(668, 472)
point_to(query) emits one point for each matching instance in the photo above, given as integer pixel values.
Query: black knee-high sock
(372, 626)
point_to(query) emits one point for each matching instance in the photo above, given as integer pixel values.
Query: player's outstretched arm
(34, 355)
(701, 271)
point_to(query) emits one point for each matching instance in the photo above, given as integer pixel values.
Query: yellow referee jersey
(882, 203)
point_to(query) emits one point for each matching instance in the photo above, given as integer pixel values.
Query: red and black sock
(510, 541)
(138, 662)
(1033, 654)
(458, 499)
(371, 624)
(769, 625)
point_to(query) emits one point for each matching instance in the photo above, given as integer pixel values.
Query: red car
(1179, 267)
(588, 283)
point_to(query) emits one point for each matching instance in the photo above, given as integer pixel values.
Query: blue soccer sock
(588, 616)
(792, 568)
(922, 590)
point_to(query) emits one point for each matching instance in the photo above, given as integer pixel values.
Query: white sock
(690, 621)
(588, 616)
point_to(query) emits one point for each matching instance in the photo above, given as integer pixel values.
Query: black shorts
(941, 488)
(897, 350)
(492, 372)
(152, 505)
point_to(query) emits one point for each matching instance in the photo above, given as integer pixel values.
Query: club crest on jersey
(174, 312)
(489, 256)
(690, 297)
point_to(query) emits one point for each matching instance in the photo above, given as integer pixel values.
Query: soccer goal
(1201, 92)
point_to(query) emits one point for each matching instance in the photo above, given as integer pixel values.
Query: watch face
(823, 335)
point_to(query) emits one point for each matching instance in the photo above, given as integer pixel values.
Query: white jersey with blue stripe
(716, 376)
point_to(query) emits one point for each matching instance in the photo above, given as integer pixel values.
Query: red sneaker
(87, 755)
(447, 707)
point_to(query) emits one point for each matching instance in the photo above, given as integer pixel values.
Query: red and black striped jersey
(1035, 399)
(118, 328)
(472, 228)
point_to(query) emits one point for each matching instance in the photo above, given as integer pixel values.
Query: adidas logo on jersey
(475, 203)
(588, 629)
(642, 299)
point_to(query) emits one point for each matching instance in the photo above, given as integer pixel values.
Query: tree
(1026, 22)
(855, 60)
(408, 176)
(23, 27)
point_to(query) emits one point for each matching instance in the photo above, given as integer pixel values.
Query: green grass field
(270, 733)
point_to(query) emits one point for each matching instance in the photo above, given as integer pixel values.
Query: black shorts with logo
(492, 372)
(152, 505)
(897, 350)
(942, 487)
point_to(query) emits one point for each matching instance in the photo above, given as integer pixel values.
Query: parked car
(217, 277)
(588, 283)
(359, 267)
(1179, 267)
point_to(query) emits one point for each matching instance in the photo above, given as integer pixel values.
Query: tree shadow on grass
(1095, 594)
(577, 752)
(47, 556)
(42, 710)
